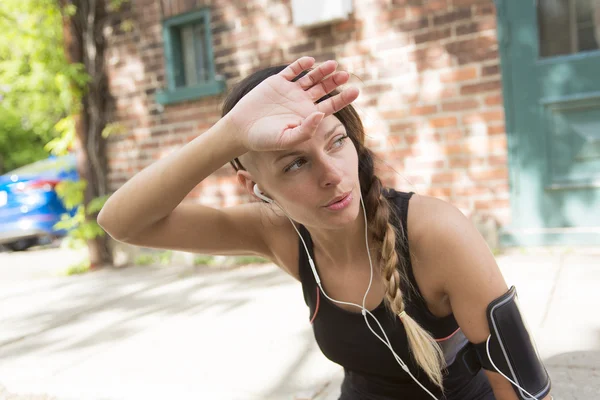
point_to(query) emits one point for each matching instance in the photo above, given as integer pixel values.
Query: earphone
(362, 307)
(261, 195)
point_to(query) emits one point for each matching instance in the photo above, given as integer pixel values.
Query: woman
(366, 260)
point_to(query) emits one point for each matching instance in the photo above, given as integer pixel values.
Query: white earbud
(261, 195)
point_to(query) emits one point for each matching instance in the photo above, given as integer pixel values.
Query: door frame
(515, 234)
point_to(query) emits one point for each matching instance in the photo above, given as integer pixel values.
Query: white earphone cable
(363, 309)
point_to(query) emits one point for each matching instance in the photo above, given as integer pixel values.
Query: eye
(340, 141)
(295, 165)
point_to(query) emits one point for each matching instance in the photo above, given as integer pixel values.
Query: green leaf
(71, 192)
(96, 205)
(113, 128)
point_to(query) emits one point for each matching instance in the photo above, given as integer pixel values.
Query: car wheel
(21, 244)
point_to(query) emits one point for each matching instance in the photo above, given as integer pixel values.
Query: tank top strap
(399, 218)
(416, 304)
(307, 279)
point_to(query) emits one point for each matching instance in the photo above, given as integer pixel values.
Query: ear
(245, 179)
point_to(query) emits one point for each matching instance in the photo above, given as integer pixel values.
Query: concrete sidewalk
(186, 333)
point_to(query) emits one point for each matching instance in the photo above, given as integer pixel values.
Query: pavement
(237, 334)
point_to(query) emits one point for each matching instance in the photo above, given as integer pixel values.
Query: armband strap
(512, 348)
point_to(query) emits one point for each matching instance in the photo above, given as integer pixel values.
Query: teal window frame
(175, 93)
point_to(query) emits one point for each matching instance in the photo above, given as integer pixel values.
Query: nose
(330, 175)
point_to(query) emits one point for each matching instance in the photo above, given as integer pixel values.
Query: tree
(53, 90)
(84, 23)
(34, 80)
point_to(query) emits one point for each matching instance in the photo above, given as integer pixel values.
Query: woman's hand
(278, 113)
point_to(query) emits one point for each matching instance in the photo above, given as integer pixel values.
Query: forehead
(265, 159)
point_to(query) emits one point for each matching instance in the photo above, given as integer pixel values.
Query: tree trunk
(85, 43)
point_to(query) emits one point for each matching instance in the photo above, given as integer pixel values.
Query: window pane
(554, 27)
(188, 52)
(568, 26)
(200, 52)
(588, 24)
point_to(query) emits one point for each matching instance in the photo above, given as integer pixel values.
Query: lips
(338, 198)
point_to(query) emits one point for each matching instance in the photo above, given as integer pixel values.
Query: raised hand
(279, 113)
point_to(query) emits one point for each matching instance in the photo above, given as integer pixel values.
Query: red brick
(433, 35)
(456, 14)
(447, 92)
(423, 110)
(460, 105)
(437, 191)
(457, 162)
(402, 127)
(453, 149)
(393, 114)
(377, 88)
(457, 75)
(348, 25)
(485, 116)
(423, 138)
(413, 25)
(395, 141)
(487, 8)
(490, 70)
(454, 134)
(498, 160)
(445, 177)
(480, 87)
(442, 122)
(489, 174)
(463, 3)
(496, 129)
(299, 48)
(402, 153)
(435, 5)
(392, 15)
(494, 99)
(492, 204)
(476, 26)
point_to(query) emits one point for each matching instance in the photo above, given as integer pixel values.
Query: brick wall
(428, 71)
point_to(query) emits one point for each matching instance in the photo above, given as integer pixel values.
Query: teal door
(551, 81)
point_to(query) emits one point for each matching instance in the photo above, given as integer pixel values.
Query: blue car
(29, 205)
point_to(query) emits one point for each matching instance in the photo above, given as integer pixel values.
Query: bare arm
(277, 114)
(154, 192)
(450, 246)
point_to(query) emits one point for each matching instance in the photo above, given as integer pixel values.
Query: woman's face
(306, 179)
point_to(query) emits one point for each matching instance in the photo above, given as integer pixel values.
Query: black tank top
(371, 372)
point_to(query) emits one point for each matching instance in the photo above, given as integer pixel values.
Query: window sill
(190, 92)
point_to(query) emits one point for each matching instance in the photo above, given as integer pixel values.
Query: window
(568, 26)
(189, 58)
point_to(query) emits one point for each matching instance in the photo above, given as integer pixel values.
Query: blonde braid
(425, 350)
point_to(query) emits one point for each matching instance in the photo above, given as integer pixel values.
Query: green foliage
(243, 260)
(79, 268)
(204, 260)
(113, 128)
(154, 258)
(145, 259)
(165, 257)
(79, 229)
(228, 261)
(39, 89)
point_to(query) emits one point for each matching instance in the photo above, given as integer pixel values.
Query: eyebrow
(296, 153)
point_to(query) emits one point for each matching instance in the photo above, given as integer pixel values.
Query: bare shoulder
(430, 219)
(448, 247)
(438, 230)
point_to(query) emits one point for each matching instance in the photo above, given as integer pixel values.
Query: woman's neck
(342, 248)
